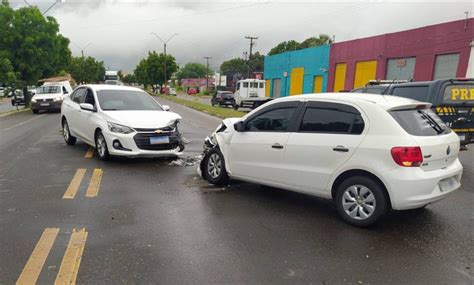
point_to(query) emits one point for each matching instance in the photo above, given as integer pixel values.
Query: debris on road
(186, 161)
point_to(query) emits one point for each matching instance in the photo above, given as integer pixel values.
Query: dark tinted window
(422, 122)
(245, 84)
(276, 120)
(89, 98)
(78, 95)
(376, 90)
(419, 93)
(331, 120)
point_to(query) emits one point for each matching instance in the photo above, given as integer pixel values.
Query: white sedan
(368, 153)
(120, 121)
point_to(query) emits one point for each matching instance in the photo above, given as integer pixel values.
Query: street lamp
(164, 48)
(83, 48)
(54, 4)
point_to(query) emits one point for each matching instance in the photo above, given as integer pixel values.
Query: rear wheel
(101, 146)
(214, 167)
(35, 111)
(68, 138)
(361, 201)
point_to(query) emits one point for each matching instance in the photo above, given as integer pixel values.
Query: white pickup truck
(250, 93)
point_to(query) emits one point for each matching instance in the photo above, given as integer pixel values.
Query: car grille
(44, 100)
(142, 139)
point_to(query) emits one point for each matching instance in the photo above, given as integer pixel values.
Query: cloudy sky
(119, 31)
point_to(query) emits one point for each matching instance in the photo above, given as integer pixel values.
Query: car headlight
(59, 98)
(116, 128)
(33, 100)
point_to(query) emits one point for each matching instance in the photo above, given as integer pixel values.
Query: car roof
(98, 87)
(386, 102)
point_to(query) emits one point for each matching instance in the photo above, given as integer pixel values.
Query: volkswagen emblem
(448, 150)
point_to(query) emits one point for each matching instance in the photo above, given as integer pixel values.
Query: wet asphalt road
(156, 223)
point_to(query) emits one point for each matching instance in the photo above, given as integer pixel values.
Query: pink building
(427, 53)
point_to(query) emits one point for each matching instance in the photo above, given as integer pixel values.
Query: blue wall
(315, 61)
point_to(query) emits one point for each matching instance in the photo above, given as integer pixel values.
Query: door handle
(277, 146)
(340, 148)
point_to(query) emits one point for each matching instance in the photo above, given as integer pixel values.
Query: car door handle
(277, 146)
(340, 148)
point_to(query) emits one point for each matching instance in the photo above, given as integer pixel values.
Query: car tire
(236, 107)
(361, 201)
(214, 168)
(68, 138)
(101, 146)
(35, 111)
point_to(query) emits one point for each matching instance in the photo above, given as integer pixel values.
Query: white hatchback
(368, 153)
(120, 121)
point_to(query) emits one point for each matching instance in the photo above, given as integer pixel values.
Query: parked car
(17, 97)
(49, 97)
(120, 121)
(223, 98)
(2, 91)
(451, 99)
(172, 92)
(368, 153)
(192, 91)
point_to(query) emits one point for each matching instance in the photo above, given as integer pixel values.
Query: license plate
(447, 184)
(462, 137)
(44, 104)
(159, 140)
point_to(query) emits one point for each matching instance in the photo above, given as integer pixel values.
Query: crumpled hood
(142, 119)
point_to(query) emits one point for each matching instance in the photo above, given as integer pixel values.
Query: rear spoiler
(411, 106)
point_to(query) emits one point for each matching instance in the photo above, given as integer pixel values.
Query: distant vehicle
(451, 99)
(49, 97)
(250, 93)
(111, 77)
(2, 90)
(223, 98)
(120, 121)
(366, 152)
(17, 97)
(172, 92)
(192, 91)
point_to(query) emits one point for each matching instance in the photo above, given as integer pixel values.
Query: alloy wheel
(358, 202)
(101, 146)
(65, 131)
(214, 165)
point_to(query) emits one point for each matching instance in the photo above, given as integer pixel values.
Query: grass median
(223, 113)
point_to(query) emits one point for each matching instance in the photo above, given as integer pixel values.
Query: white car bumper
(133, 146)
(412, 187)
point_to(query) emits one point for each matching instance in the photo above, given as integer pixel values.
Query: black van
(452, 100)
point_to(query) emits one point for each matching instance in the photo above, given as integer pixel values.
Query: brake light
(407, 156)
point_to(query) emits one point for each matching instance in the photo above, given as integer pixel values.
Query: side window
(276, 120)
(332, 118)
(261, 84)
(78, 95)
(246, 85)
(238, 86)
(419, 93)
(64, 90)
(89, 98)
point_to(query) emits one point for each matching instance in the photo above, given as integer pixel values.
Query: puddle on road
(186, 161)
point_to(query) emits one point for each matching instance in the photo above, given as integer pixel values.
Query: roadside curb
(5, 114)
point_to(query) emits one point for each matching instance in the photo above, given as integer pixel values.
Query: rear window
(459, 94)
(420, 122)
(419, 93)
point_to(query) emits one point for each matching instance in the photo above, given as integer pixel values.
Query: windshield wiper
(432, 122)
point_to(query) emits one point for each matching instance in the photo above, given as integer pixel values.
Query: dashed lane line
(35, 263)
(75, 183)
(94, 184)
(72, 258)
(24, 122)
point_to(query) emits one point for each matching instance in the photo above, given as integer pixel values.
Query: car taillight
(408, 156)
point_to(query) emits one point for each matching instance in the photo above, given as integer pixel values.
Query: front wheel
(101, 146)
(35, 111)
(68, 138)
(361, 201)
(214, 167)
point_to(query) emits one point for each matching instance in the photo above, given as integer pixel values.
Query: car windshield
(126, 100)
(48, 89)
(420, 122)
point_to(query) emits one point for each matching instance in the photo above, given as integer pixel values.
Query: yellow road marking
(94, 184)
(72, 258)
(74, 185)
(33, 267)
(89, 153)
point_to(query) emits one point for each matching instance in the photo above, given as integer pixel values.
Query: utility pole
(467, 18)
(81, 49)
(164, 49)
(207, 71)
(252, 43)
(245, 55)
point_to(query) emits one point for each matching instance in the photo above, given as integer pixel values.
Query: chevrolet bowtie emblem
(158, 131)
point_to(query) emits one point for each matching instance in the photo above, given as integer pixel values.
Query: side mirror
(65, 92)
(166, 107)
(239, 126)
(87, 107)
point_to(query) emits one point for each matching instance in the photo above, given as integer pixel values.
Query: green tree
(256, 62)
(322, 39)
(32, 44)
(86, 69)
(233, 66)
(129, 78)
(285, 46)
(192, 70)
(150, 70)
(140, 72)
